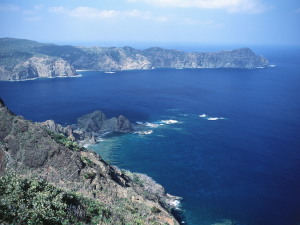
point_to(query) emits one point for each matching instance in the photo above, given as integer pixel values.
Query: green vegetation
(155, 210)
(87, 161)
(10, 60)
(89, 175)
(66, 141)
(14, 51)
(34, 201)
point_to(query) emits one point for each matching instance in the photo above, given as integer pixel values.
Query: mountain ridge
(22, 59)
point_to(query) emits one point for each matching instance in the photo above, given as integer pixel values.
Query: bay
(243, 167)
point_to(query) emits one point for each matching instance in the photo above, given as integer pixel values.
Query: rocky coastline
(25, 59)
(90, 127)
(33, 151)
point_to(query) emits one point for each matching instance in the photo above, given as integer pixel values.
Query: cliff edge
(20, 61)
(29, 151)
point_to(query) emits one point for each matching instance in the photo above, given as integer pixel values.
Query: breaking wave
(168, 121)
(143, 132)
(152, 125)
(204, 116)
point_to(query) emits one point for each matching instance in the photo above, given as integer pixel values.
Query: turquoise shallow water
(244, 167)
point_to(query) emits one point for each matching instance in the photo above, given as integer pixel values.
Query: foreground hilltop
(45, 178)
(24, 59)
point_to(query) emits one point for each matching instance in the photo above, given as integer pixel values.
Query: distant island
(22, 59)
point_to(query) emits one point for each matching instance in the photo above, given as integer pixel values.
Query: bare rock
(40, 66)
(98, 123)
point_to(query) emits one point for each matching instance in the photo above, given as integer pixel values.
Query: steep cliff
(20, 61)
(24, 59)
(98, 123)
(127, 58)
(30, 151)
(41, 66)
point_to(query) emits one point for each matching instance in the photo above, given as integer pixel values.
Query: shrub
(155, 210)
(69, 142)
(89, 175)
(35, 201)
(87, 161)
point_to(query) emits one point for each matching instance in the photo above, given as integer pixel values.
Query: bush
(89, 175)
(155, 210)
(34, 201)
(87, 161)
(66, 141)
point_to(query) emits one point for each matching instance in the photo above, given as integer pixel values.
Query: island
(26, 59)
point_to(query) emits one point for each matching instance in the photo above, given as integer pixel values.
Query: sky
(125, 22)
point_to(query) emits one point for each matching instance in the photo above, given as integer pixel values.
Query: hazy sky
(244, 22)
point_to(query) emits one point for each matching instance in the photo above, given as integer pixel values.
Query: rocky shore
(90, 127)
(30, 151)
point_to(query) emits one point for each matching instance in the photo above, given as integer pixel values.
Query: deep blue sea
(243, 166)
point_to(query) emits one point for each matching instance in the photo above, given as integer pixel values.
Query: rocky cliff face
(91, 126)
(28, 150)
(41, 66)
(239, 58)
(98, 123)
(115, 59)
(23, 59)
(20, 60)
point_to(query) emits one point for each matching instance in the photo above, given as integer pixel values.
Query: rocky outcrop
(97, 122)
(27, 149)
(57, 128)
(24, 59)
(91, 126)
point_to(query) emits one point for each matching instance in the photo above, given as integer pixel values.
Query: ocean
(239, 162)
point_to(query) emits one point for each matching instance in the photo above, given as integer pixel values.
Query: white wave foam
(205, 116)
(86, 145)
(101, 139)
(106, 133)
(144, 132)
(157, 124)
(215, 118)
(168, 121)
(147, 124)
(174, 203)
(153, 125)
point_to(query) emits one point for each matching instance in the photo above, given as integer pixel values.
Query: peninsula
(25, 59)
